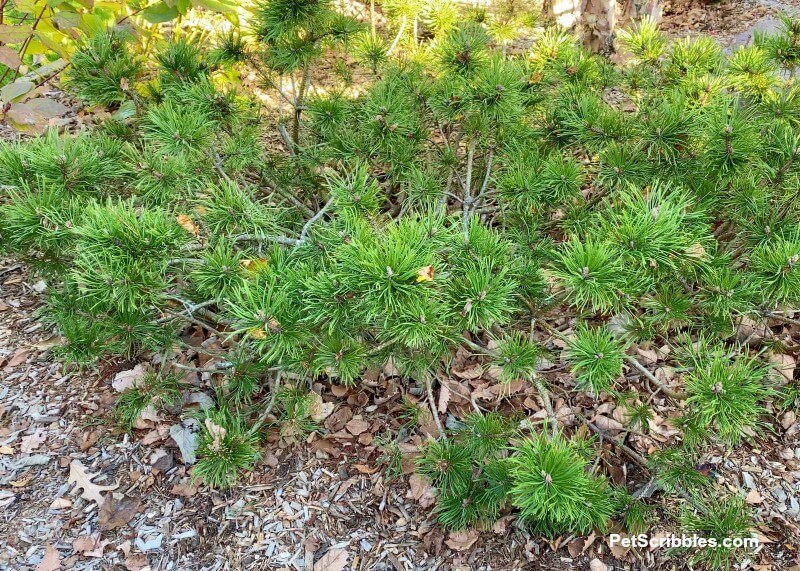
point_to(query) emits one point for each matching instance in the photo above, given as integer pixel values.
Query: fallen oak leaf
(753, 497)
(444, 397)
(217, 433)
(317, 409)
(185, 436)
(425, 274)
(60, 504)
(421, 491)
(83, 480)
(136, 562)
(19, 357)
(357, 426)
(128, 379)
(184, 488)
(22, 482)
(257, 332)
(364, 469)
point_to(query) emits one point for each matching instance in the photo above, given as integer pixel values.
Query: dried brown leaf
(333, 560)
(357, 426)
(90, 545)
(128, 379)
(83, 480)
(32, 441)
(116, 513)
(462, 540)
(187, 224)
(51, 560)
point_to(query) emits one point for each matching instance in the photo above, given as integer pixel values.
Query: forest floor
(76, 493)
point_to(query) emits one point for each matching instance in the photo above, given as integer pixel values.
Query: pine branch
(661, 386)
(432, 405)
(475, 203)
(262, 418)
(267, 238)
(310, 223)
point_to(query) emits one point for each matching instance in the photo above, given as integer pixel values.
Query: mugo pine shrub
(464, 198)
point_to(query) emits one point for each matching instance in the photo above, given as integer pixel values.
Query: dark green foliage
(725, 394)
(104, 71)
(225, 448)
(518, 358)
(447, 464)
(553, 489)
(596, 358)
(727, 519)
(470, 471)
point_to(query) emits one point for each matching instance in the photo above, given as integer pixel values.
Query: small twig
(290, 197)
(544, 394)
(223, 371)
(262, 418)
(317, 216)
(287, 138)
(267, 238)
(399, 35)
(479, 348)
(466, 203)
(485, 184)
(782, 318)
(643, 370)
(432, 404)
(190, 319)
(10, 269)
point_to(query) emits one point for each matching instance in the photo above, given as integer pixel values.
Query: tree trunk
(596, 20)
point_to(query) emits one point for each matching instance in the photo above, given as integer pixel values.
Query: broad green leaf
(15, 90)
(159, 13)
(92, 24)
(66, 20)
(14, 34)
(35, 47)
(52, 41)
(28, 6)
(216, 6)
